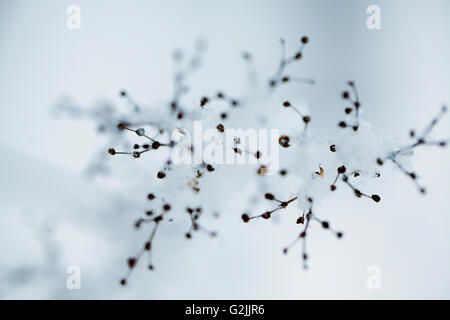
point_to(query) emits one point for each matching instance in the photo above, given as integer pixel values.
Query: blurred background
(53, 215)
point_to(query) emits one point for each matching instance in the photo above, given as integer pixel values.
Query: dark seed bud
(345, 95)
(286, 104)
(220, 127)
(266, 215)
(151, 196)
(341, 169)
(156, 145)
(111, 151)
(245, 218)
(304, 39)
(333, 148)
(348, 110)
(140, 132)
(339, 235)
(306, 119)
(333, 187)
(380, 162)
(325, 225)
(131, 262)
(342, 124)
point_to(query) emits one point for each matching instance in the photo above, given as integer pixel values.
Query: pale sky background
(52, 216)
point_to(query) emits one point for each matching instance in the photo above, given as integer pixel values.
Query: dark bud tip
(156, 145)
(151, 196)
(332, 187)
(131, 262)
(112, 151)
(123, 282)
(325, 225)
(121, 126)
(376, 198)
(339, 235)
(304, 39)
(210, 168)
(380, 162)
(286, 104)
(341, 169)
(333, 148)
(306, 119)
(269, 196)
(161, 175)
(220, 127)
(266, 215)
(345, 95)
(245, 218)
(342, 124)
(348, 110)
